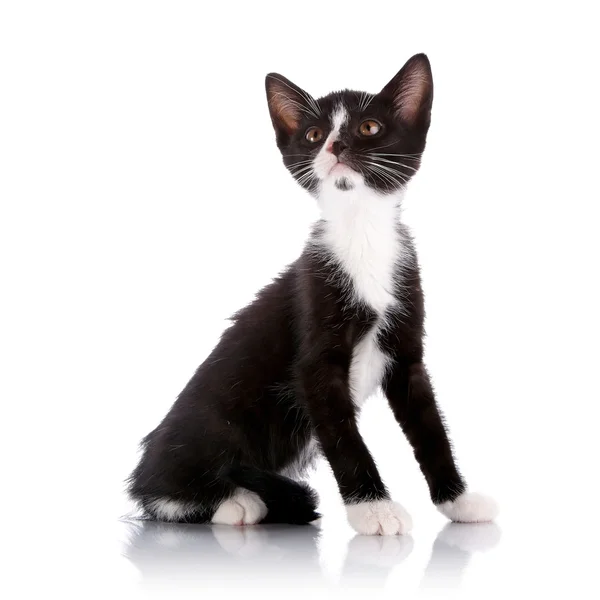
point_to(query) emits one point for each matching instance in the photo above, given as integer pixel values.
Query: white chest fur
(367, 367)
(361, 230)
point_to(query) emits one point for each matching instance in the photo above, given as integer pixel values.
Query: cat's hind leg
(286, 501)
(242, 508)
(170, 490)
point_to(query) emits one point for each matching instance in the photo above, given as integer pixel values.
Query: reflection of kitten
(219, 555)
(452, 551)
(371, 559)
(289, 376)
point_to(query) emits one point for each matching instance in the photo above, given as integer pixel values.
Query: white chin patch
(470, 507)
(243, 508)
(381, 517)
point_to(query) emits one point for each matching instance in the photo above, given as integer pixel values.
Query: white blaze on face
(338, 118)
(325, 159)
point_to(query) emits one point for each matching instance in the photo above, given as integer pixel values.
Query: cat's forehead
(350, 102)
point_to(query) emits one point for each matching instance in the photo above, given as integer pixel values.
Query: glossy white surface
(521, 556)
(529, 551)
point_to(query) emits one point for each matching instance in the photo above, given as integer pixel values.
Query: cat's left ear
(287, 104)
(411, 92)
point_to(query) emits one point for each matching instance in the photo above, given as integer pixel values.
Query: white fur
(361, 230)
(361, 226)
(325, 160)
(170, 510)
(338, 118)
(470, 507)
(381, 517)
(367, 367)
(243, 508)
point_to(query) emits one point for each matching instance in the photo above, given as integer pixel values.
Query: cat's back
(254, 354)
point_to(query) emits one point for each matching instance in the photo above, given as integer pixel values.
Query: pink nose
(336, 147)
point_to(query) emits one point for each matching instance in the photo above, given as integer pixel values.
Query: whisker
(360, 99)
(307, 178)
(384, 146)
(364, 100)
(302, 170)
(376, 174)
(411, 156)
(370, 96)
(391, 173)
(302, 162)
(385, 167)
(383, 174)
(393, 162)
(389, 181)
(300, 165)
(408, 167)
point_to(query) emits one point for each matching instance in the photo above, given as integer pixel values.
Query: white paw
(381, 517)
(243, 508)
(470, 507)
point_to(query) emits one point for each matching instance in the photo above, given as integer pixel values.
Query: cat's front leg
(325, 389)
(410, 395)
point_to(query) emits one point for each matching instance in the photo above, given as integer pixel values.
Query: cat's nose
(337, 147)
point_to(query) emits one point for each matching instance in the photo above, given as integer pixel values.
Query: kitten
(288, 378)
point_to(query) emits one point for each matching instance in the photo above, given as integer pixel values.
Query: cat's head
(348, 139)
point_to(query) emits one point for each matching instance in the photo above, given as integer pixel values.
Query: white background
(143, 201)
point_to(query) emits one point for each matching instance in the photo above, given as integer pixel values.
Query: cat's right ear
(411, 92)
(287, 104)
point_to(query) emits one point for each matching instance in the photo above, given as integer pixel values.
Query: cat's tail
(288, 501)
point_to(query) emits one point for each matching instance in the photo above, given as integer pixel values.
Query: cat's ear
(287, 104)
(411, 91)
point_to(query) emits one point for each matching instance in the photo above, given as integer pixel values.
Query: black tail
(288, 501)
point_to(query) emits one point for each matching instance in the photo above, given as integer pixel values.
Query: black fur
(287, 501)
(279, 375)
(404, 131)
(344, 184)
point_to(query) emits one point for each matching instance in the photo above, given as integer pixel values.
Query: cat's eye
(314, 134)
(369, 127)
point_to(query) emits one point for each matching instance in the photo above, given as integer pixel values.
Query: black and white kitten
(288, 378)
